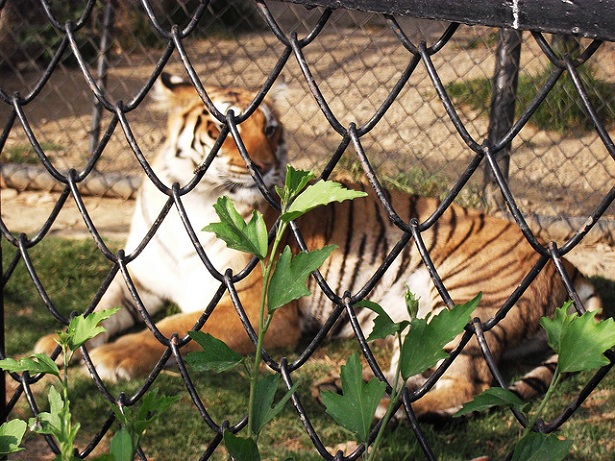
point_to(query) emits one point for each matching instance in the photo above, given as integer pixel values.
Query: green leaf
(424, 344)
(383, 324)
(295, 182)
(51, 422)
(216, 355)
(81, 328)
(492, 397)
(241, 449)
(317, 194)
(541, 447)
(356, 407)
(290, 275)
(152, 407)
(412, 303)
(579, 340)
(36, 363)
(554, 327)
(105, 457)
(122, 446)
(248, 237)
(57, 422)
(137, 419)
(264, 411)
(11, 434)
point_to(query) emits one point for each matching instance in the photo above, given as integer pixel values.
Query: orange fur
(472, 252)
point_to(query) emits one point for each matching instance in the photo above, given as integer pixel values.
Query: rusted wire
(293, 47)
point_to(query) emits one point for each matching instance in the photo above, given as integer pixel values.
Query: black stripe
(407, 251)
(197, 124)
(454, 230)
(347, 247)
(359, 265)
(328, 234)
(181, 128)
(381, 237)
(433, 231)
(537, 384)
(318, 304)
(404, 263)
(551, 366)
(469, 256)
(453, 222)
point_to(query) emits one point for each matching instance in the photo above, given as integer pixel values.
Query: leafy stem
(396, 393)
(265, 316)
(284, 281)
(58, 421)
(580, 342)
(541, 407)
(420, 342)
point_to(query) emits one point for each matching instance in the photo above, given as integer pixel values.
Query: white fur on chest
(170, 265)
(418, 283)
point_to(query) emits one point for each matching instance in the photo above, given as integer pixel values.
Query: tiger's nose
(263, 166)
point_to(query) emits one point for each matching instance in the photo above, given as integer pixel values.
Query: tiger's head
(193, 131)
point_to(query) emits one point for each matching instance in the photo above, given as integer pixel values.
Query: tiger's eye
(271, 130)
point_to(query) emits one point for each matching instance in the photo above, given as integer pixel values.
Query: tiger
(471, 251)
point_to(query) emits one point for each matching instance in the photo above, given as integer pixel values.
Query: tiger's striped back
(472, 252)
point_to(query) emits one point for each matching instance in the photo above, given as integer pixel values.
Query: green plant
(134, 424)
(11, 435)
(25, 154)
(580, 343)
(284, 280)
(58, 421)
(562, 109)
(421, 343)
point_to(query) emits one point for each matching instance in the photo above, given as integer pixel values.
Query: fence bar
(590, 18)
(3, 408)
(502, 114)
(102, 68)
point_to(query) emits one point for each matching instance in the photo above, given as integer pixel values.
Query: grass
(71, 271)
(25, 154)
(562, 111)
(414, 181)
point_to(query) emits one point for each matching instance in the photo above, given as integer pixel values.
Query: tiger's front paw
(48, 344)
(129, 357)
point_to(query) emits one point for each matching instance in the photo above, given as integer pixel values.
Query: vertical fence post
(3, 412)
(102, 68)
(502, 113)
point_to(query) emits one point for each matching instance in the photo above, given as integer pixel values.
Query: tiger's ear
(278, 90)
(172, 92)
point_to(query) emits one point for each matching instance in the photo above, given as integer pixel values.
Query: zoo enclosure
(594, 21)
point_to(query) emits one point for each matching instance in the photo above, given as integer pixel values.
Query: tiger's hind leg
(466, 377)
(469, 373)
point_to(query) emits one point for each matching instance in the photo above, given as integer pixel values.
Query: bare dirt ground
(551, 173)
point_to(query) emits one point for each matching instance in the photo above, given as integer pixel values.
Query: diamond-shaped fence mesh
(517, 124)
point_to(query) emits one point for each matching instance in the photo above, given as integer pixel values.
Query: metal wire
(292, 47)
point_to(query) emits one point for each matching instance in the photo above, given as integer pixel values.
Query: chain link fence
(232, 48)
(435, 80)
